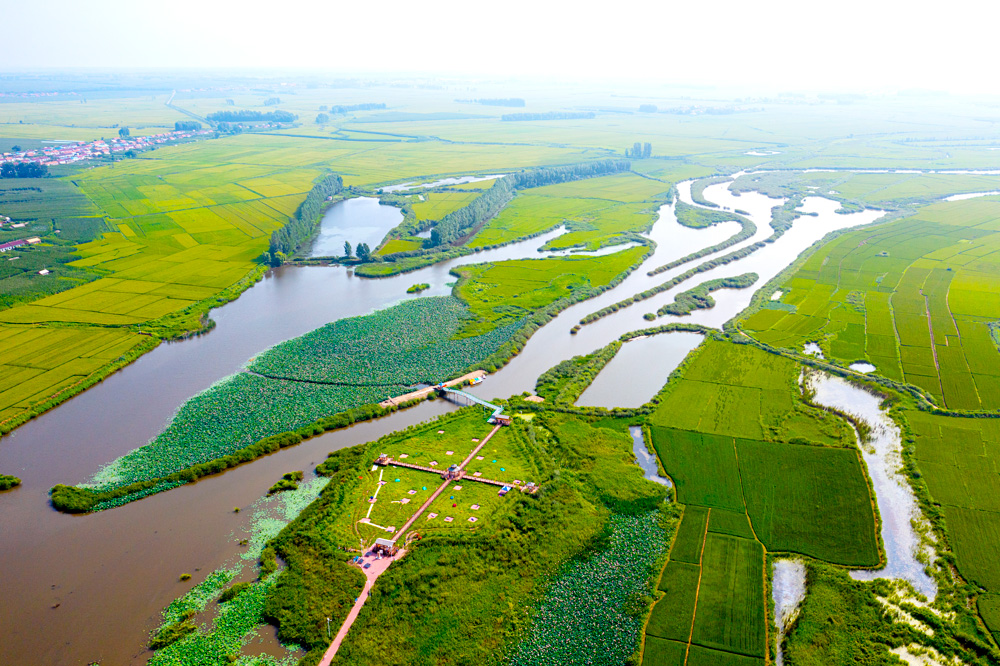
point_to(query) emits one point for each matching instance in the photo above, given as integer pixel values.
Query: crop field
(914, 297)
(957, 460)
(596, 211)
(731, 601)
(504, 292)
(38, 364)
(715, 601)
(438, 204)
(740, 391)
(818, 505)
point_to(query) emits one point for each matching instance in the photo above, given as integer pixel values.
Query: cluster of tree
(248, 115)
(551, 115)
(124, 133)
(362, 251)
(458, 223)
(348, 108)
(495, 101)
(298, 229)
(186, 125)
(272, 101)
(639, 151)
(322, 118)
(647, 108)
(23, 170)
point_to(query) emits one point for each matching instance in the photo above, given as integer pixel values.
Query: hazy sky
(787, 43)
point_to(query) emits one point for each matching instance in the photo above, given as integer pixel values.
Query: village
(69, 152)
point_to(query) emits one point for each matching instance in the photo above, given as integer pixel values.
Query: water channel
(897, 506)
(90, 588)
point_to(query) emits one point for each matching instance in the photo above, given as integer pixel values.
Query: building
(385, 547)
(12, 244)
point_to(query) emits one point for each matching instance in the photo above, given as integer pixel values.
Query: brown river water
(83, 589)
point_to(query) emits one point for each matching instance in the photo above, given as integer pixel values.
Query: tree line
(23, 170)
(551, 115)
(186, 125)
(347, 108)
(495, 101)
(639, 150)
(456, 224)
(248, 115)
(300, 228)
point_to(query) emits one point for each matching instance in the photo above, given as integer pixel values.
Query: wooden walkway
(424, 392)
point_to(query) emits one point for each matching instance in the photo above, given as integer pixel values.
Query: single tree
(647, 149)
(124, 132)
(347, 249)
(7, 170)
(15, 148)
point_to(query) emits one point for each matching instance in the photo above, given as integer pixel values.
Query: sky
(845, 45)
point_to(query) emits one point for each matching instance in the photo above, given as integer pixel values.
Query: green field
(596, 211)
(914, 297)
(957, 460)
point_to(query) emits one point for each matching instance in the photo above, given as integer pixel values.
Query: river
(80, 589)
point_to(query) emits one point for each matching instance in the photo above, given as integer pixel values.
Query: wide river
(80, 589)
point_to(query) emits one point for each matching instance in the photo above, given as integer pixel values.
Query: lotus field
(346, 364)
(585, 618)
(411, 342)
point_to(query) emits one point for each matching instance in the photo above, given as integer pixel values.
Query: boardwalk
(424, 392)
(378, 567)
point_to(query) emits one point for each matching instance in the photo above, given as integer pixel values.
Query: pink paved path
(377, 569)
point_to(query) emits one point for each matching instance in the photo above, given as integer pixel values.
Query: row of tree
(551, 115)
(186, 125)
(348, 108)
(298, 229)
(458, 223)
(639, 151)
(495, 101)
(249, 115)
(23, 170)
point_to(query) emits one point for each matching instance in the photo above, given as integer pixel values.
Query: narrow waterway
(788, 589)
(897, 506)
(645, 459)
(90, 588)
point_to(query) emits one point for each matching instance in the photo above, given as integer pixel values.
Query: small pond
(639, 370)
(358, 220)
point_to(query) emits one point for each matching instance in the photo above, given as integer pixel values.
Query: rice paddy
(913, 297)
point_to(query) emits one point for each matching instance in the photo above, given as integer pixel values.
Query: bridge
(460, 396)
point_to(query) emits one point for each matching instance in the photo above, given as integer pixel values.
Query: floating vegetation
(592, 613)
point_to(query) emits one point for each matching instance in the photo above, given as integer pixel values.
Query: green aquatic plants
(593, 611)
(294, 388)
(417, 288)
(406, 344)
(7, 482)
